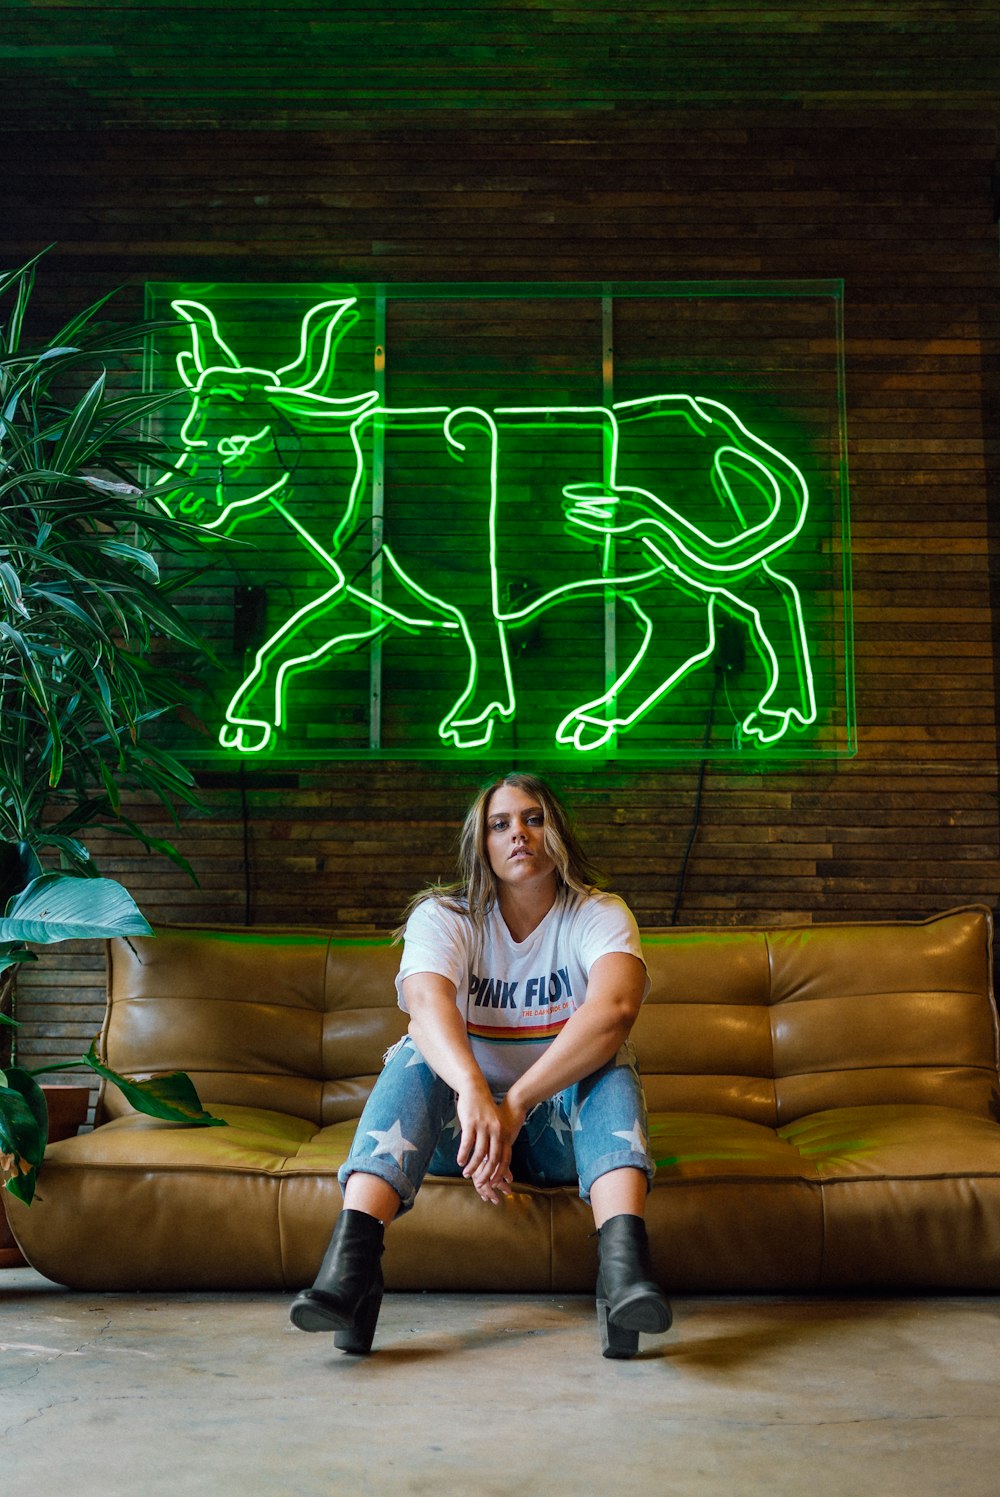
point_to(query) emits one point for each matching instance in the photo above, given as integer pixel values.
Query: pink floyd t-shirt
(515, 996)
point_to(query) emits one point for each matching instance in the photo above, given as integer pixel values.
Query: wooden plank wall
(299, 63)
(895, 199)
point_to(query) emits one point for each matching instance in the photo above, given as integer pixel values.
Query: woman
(522, 982)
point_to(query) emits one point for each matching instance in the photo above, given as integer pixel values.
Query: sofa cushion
(867, 1196)
(775, 1024)
(285, 1019)
(765, 1024)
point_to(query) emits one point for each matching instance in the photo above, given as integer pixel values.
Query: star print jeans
(410, 1126)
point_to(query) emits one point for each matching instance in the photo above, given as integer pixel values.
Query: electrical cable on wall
(248, 918)
(730, 652)
(696, 812)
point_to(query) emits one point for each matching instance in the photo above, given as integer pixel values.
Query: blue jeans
(410, 1125)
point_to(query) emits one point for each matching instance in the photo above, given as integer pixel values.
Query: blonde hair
(474, 892)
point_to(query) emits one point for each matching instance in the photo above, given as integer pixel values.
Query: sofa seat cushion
(255, 1140)
(864, 1196)
(894, 1141)
(842, 1143)
(911, 1196)
(895, 1196)
(702, 1145)
(142, 1204)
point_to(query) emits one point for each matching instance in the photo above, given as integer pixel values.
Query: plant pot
(67, 1106)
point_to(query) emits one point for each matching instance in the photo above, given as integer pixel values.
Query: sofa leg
(347, 1295)
(628, 1298)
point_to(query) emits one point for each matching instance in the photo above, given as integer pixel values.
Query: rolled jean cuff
(623, 1159)
(384, 1169)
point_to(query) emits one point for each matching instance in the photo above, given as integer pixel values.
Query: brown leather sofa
(823, 1103)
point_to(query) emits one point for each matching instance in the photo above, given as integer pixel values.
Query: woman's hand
(481, 1142)
(488, 1133)
(493, 1182)
(439, 1031)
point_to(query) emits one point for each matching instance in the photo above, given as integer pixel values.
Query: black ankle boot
(629, 1300)
(347, 1294)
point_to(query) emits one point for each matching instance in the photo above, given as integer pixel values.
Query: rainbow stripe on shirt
(499, 1034)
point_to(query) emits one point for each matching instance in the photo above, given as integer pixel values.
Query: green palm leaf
(56, 908)
(24, 1127)
(172, 1097)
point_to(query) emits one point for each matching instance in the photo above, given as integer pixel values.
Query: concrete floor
(147, 1394)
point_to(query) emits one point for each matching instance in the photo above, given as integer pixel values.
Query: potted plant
(82, 608)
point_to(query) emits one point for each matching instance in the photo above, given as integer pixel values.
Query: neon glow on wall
(665, 514)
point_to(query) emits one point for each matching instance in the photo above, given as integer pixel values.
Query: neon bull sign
(671, 496)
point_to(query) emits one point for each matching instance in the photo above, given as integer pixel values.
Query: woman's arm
(439, 1033)
(594, 1033)
(616, 987)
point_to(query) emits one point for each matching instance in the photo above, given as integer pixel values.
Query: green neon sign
(668, 513)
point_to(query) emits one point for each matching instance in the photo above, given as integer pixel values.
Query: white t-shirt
(515, 996)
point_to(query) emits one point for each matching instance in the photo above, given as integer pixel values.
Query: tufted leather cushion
(773, 1024)
(766, 1024)
(291, 1020)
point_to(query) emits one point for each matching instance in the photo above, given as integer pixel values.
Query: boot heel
(628, 1298)
(358, 1338)
(616, 1341)
(347, 1293)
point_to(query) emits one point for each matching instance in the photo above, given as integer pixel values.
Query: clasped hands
(489, 1129)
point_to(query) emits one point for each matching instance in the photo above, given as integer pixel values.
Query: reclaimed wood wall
(740, 147)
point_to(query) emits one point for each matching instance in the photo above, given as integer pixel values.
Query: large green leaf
(30, 666)
(60, 601)
(10, 586)
(13, 956)
(61, 907)
(131, 553)
(120, 414)
(72, 330)
(159, 844)
(77, 432)
(172, 1097)
(24, 1127)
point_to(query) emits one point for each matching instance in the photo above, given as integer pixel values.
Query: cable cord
(696, 811)
(245, 816)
